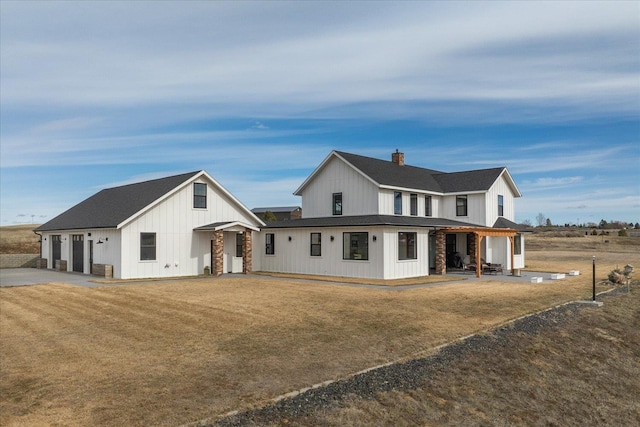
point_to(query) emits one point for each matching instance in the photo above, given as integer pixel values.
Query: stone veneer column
(247, 248)
(473, 238)
(441, 253)
(218, 250)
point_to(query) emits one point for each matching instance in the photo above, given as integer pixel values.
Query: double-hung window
(270, 243)
(147, 246)
(239, 244)
(427, 206)
(355, 246)
(414, 205)
(316, 244)
(397, 203)
(337, 203)
(407, 246)
(500, 205)
(461, 206)
(199, 195)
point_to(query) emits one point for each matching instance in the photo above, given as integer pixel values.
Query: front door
(78, 253)
(56, 250)
(451, 249)
(90, 256)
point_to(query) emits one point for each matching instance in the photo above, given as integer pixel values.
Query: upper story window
(397, 203)
(147, 246)
(270, 243)
(461, 206)
(500, 205)
(337, 203)
(199, 195)
(316, 244)
(427, 206)
(414, 204)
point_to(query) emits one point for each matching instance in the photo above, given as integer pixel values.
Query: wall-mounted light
(290, 238)
(331, 238)
(375, 238)
(99, 242)
(89, 234)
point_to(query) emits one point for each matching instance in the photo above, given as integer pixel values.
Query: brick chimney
(397, 158)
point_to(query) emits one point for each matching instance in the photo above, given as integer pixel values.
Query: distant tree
(637, 226)
(527, 222)
(603, 224)
(540, 219)
(269, 216)
(548, 224)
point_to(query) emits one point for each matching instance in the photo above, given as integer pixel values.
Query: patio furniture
(491, 268)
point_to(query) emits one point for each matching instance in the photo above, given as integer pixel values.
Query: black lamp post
(594, 277)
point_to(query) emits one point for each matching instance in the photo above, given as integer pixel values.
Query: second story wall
(359, 195)
(387, 203)
(475, 212)
(500, 188)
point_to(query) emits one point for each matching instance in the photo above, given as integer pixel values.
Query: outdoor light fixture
(99, 242)
(331, 238)
(290, 238)
(375, 238)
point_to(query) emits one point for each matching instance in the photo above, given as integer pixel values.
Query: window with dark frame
(337, 203)
(199, 195)
(270, 244)
(316, 244)
(147, 246)
(427, 206)
(355, 246)
(239, 244)
(500, 205)
(461, 206)
(414, 205)
(397, 203)
(517, 244)
(407, 246)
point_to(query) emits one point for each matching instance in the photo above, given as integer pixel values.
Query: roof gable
(110, 207)
(388, 174)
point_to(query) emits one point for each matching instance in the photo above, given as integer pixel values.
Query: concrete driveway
(35, 276)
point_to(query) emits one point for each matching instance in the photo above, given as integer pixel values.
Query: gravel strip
(399, 376)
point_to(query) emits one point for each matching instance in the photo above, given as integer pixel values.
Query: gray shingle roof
(275, 209)
(388, 173)
(505, 223)
(110, 207)
(369, 220)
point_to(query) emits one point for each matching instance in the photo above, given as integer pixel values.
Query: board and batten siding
(395, 268)
(475, 208)
(179, 250)
(294, 256)
(500, 187)
(359, 195)
(386, 202)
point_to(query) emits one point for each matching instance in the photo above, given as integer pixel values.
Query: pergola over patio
(479, 233)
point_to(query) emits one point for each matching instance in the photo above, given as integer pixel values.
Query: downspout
(39, 241)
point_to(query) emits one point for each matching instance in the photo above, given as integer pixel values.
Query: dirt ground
(175, 352)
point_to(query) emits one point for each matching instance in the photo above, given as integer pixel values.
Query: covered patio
(240, 230)
(475, 245)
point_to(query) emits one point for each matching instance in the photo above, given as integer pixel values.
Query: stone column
(247, 248)
(441, 253)
(473, 238)
(218, 250)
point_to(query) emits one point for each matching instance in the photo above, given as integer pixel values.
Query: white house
(365, 217)
(174, 226)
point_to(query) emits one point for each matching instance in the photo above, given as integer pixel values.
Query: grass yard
(175, 352)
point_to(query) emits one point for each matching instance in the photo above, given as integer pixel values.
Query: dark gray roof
(505, 223)
(212, 226)
(109, 207)
(388, 173)
(369, 220)
(276, 209)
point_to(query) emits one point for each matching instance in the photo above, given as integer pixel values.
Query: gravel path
(398, 376)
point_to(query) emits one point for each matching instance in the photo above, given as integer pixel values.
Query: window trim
(148, 246)
(317, 245)
(334, 198)
(347, 244)
(408, 252)
(500, 205)
(428, 209)
(269, 244)
(199, 198)
(413, 204)
(462, 209)
(397, 202)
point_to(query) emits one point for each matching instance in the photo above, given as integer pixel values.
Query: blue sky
(98, 94)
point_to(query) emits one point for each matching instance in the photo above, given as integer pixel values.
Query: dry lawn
(19, 239)
(174, 352)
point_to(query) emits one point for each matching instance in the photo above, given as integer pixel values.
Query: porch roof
(216, 226)
(371, 220)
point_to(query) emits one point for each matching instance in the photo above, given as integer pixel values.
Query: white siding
(294, 256)
(108, 252)
(359, 195)
(475, 209)
(399, 269)
(179, 250)
(500, 187)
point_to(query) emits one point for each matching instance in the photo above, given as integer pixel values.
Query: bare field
(175, 352)
(19, 239)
